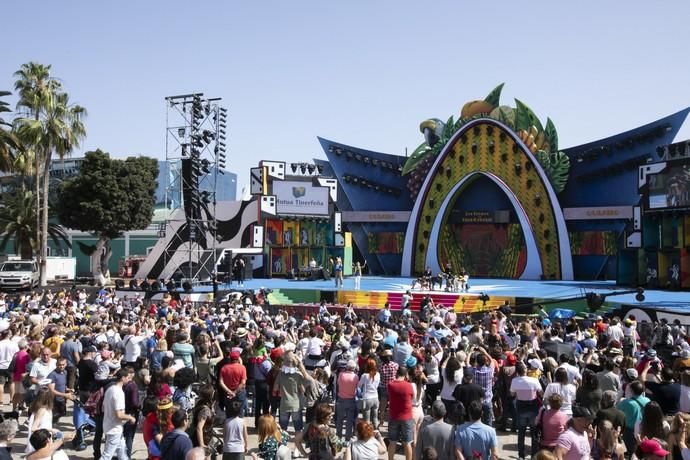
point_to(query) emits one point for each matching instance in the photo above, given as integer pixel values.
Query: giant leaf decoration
(551, 135)
(417, 156)
(494, 96)
(557, 168)
(524, 117)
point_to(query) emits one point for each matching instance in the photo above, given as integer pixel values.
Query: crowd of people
(195, 380)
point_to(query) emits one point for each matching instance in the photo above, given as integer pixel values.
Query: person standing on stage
(357, 271)
(338, 270)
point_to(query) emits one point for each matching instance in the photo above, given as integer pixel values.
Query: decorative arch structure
(487, 147)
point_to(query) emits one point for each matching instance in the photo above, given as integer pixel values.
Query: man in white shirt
(525, 390)
(615, 332)
(574, 375)
(132, 344)
(8, 349)
(42, 367)
(113, 416)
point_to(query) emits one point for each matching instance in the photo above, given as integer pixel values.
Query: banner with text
(300, 198)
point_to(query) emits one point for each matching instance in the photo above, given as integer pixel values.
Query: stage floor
(545, 290)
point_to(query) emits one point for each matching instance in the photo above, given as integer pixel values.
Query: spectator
(474, 439)
(345, 405)
(632, 408)
(436, 433)
(588, 394)
(567, 391)
(525, 390)
(400, 423)
(176, 443)
(368, 445)
(113, 416)
(553, 422)
(574, 443)
(272, 440)
(322, 441)
(235, 437)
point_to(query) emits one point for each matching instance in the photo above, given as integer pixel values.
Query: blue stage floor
(550, 290)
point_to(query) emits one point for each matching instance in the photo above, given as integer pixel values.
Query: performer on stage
(357, 271)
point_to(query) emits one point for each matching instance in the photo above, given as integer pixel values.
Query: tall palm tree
(18, 223)
(53, 126)
(8, 141)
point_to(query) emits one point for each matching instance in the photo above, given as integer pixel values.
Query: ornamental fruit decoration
(541, 140)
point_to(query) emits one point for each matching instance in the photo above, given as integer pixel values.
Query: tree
(8, 141)
(52, 126)
(108, 197)
(18, 223)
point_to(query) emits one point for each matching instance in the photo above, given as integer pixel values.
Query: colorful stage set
(490, 193)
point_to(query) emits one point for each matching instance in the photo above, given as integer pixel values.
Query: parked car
(19, 274)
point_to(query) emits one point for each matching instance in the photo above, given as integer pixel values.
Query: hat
(652, 446)
(581, 411)
(511, 360)
(159, 333)
(631, 373)
(535, 364)
(618, 360)
(651, 353)
(234, 354)
(387, 352)
(411, 362)
(546, 322)
(164, 404)
(588, 335)
(378, 337)
(343, 343)
(276, 353)
(241, 332)
(289, 346)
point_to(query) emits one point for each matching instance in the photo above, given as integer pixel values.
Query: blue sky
(360, 72)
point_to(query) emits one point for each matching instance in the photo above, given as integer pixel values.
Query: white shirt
(573, 372)
(368, 386)
(315, 346)
(615, 333)
(8, 349)
(567, 393)
(132, 348)
(525, 388)
(40, 370)
(113, 400)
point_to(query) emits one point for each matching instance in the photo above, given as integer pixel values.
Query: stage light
(640, 295)
(594, 300)
(518, 169)
(349, 155)
(145, 286)
(187, 286)
(367, 161)
(180, 132)
(338, 151)
(293, 167)
(319, 168)
(170, 285)
(374, 162)
(331, 149)
(358, 157)
(303, 168)
(484, 298)
(119, 284)
(311, 169)
(133, 284)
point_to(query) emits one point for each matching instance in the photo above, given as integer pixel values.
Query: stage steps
(372, 299)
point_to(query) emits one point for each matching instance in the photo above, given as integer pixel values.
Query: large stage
(375, 291)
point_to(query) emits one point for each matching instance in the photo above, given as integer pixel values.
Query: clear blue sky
(359, 72)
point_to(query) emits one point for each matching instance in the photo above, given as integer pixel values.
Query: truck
(19, 274)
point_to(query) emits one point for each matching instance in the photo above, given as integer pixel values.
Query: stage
(375, 291)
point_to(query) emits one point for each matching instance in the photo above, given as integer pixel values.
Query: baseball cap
(652, 447)
(234, 354)
(632, 374)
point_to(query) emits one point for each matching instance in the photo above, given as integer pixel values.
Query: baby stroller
(83, 424)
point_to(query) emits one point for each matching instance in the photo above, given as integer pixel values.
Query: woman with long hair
(158, 354)
(452, 376)
(560, 386)
(653, 423)
(201, 426)
(155, 425)
(418, 380)
(41, 414)
(433, 375)
(272, 440)
(368, 386)
(606, 445)
(589, 394)
(680, 421)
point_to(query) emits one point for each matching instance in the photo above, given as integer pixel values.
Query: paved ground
(507, 441)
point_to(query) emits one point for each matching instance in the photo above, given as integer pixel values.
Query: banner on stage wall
(300, 198)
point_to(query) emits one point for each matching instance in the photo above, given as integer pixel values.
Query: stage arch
(489, 148)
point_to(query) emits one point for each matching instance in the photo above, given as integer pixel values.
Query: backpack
(94, 405)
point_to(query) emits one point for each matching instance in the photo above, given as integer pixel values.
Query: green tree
(8, 141)
(51, 125)
(108, 197)
(18, 223)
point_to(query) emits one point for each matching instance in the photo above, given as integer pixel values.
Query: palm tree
(8, 141)
(18, 223)
(53, 126)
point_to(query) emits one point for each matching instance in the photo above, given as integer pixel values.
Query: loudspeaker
(133, 284)
(119, 284)
(187, 286)
(190, 187)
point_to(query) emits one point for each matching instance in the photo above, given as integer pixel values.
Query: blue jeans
(487, 413)
(239, 396)
(526, 413)
(128, 432)
(345, 413)
(284, 420)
